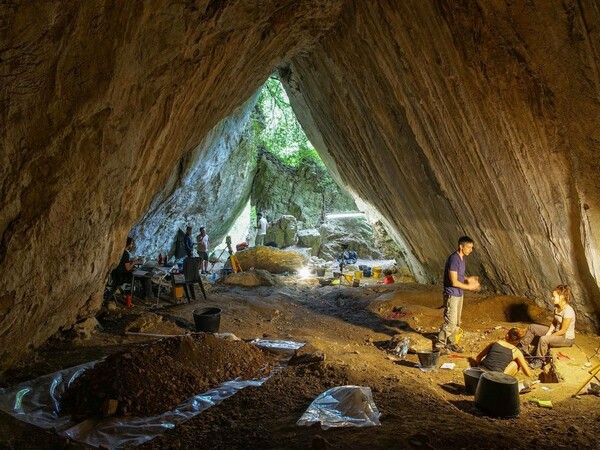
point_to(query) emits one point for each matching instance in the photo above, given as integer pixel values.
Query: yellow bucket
(458, 336)
(348, 277)
(376, 272)
(358, 274)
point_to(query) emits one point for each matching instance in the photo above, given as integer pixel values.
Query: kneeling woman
(561, 333)
(504, 356)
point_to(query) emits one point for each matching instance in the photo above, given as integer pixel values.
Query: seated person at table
(123, 272)
(560, 333)
(504, 356)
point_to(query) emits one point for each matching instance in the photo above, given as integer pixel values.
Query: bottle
(159, 258)
(214, 276)
(128, 300)
(404, 348)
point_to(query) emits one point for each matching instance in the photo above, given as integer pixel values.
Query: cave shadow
(518, 313)
(467, 406)
(406, 363)
(454, 388)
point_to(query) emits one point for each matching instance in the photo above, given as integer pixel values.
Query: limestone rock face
(310, 238)
(283, 231)
(210, 188)
(307, 192)
(357, 233)
(100, 104)
(271, 259)
(478, 118)
(451, 118)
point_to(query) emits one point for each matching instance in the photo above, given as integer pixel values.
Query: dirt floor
(347, 331)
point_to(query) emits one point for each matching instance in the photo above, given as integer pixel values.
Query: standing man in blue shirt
(454, 284)
(189, 243)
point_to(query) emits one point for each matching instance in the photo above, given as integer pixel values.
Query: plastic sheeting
(342, 406)
(37, 402)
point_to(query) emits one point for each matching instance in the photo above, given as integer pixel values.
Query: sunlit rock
(356, 233)
(255, 277)
(307, 192)
(310, 238)
(271, 259)
(283, 231)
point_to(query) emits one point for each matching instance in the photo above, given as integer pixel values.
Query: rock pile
(156, 378)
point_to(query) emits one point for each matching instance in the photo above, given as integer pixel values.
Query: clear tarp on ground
(342, 406)
(38, 402)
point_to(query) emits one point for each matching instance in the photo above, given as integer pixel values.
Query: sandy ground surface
(350, 327)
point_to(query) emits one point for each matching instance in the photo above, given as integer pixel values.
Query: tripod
(235, 264)
(593, 374)
(343, 264)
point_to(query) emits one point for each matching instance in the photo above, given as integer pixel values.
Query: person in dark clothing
(189, 243)
(503, 355)
(455, 282)
(123, 272)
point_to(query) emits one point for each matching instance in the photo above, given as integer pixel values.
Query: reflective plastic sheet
(342, 406)
(37, 402)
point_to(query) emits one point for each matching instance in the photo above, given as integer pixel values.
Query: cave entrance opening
(260, 160)
(295, 190)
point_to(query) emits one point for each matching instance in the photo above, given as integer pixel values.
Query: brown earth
(155, 378)
(351, 327)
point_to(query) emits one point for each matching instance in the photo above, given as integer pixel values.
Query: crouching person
(504, 356)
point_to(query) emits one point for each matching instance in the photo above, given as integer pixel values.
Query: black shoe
(441, 348)
(454, 348)
(535, 364)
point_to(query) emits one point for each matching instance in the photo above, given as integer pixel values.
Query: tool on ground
(540, 402)
(593, 374)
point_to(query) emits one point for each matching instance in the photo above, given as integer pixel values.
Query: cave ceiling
(449, 118)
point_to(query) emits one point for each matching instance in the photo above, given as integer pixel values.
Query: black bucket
(429, 360)
(207, 319)
(497, 395)
(472, 375)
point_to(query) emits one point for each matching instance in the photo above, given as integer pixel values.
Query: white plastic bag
(342, 406)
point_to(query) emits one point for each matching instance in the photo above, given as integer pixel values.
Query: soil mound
(155, 378)
(259, 417)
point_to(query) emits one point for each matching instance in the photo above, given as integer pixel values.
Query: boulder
(255, 277)
(283, 231)
(310, 238)
(144, 323)
(87, 327)
(357, 233)
(307, 191)
(271, 259)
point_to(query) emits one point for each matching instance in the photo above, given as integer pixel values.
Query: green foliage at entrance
(278, 129)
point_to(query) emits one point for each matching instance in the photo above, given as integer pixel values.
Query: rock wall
(468, 117)
(307, 192)
(210, 188)
(478, 117)
(99, 101)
